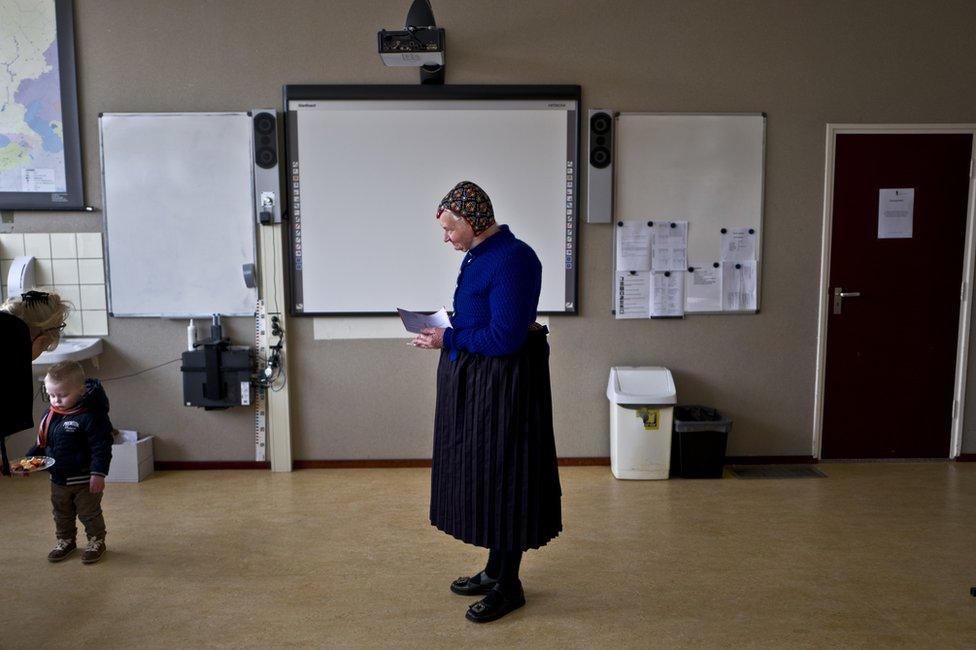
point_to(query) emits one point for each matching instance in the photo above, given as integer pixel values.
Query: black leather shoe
(495, 605)
(464, 586)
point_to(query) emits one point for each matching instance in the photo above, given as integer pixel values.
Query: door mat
(777, 472)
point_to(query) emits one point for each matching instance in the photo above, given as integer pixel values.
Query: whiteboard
(178, 210)
(706, 169)
(367, 176)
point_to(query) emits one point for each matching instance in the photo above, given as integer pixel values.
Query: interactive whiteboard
(367, 167)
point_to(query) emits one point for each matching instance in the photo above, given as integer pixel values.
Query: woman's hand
(430, 338)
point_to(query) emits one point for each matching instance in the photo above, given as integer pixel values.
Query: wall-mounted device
(599, 177)
(20, 277)
(273, 374)
(420, 44)
(267, 177)
(217, 376)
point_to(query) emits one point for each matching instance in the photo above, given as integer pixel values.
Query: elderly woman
(29, 325)
(494, 480)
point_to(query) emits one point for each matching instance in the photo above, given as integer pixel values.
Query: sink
(71, 349)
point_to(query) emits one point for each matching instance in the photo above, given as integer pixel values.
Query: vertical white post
(273, 293)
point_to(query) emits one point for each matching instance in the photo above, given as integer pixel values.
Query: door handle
(840, 294)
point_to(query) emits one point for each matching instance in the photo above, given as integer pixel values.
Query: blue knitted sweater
(496, 297)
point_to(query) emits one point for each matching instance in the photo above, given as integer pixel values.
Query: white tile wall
(66, 271)
(43, 273)
(89, 245)
(91, 271)
(63, 246)
(72, 265)
(94, 321)
(93, 296)
(71, 293)
(38, 244)
(11, 246)
(74, 322)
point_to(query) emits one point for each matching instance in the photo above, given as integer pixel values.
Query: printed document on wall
(634, 246)
(703, 288)
(667, 294)
(739, 245)
(633, 294)
(738, 286)
(670, 246)
(896, 211)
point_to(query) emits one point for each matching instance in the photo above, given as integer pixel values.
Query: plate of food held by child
(32, 464)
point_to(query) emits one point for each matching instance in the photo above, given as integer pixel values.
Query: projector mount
(419, 44)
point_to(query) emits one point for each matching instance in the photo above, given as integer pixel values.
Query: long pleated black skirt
(494, 479)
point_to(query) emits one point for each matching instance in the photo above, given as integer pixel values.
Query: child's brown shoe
(94, 551)
(64, 548)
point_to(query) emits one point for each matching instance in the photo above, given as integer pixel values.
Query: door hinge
(955, 409)
(962, 292)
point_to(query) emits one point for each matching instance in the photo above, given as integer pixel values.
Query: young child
(77, 433)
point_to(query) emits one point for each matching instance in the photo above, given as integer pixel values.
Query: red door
(892, 331)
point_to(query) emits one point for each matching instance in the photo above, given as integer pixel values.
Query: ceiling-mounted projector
(419, 44)
(412, 47)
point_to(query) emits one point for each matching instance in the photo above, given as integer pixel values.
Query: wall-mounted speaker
(267, 178)
(599, 177)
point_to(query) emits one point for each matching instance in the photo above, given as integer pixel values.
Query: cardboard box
(132, 458)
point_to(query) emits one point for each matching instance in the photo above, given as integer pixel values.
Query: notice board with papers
(688, 207)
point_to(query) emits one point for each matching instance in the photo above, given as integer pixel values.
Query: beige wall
(803, 63)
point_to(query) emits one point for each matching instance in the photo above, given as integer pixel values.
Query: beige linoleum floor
(876, 555)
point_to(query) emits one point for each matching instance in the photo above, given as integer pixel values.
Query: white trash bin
(642, 402)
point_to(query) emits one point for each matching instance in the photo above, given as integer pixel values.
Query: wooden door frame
(965, 306)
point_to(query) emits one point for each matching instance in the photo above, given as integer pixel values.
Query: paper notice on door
(634, 246)
(667, 294)
(633, 294)
(738, 244)
(896, 212)
(738, 286)
(670, 246)
(703, 288)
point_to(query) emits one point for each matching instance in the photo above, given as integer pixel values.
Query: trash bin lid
(641, 385)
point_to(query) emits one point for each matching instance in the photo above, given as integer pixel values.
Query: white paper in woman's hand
(415, 321)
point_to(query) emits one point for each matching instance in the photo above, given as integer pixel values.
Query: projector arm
(421, 14)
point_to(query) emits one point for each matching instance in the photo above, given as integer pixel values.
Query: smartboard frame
(555, 93)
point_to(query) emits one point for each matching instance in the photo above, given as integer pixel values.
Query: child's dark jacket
(80, 443)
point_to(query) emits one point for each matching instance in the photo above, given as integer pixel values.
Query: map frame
(73, 198)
